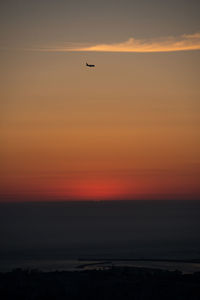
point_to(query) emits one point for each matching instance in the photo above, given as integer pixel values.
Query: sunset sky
(128, 128)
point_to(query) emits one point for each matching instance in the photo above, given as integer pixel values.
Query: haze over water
(32, 233)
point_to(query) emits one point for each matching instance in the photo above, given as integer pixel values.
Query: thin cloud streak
(185, 42)
(170, 44)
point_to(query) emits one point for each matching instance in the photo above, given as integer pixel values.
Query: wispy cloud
(185, 42)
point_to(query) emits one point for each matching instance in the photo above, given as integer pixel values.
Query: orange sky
(128, 129)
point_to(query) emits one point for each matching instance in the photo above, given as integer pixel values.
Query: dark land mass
(114, 283)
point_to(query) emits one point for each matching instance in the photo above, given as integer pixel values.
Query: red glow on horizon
(99, 187)
(94, 189)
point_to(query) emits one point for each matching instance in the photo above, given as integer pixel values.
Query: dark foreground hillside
(116, 283)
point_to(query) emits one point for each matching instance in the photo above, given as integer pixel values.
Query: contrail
(185, 42)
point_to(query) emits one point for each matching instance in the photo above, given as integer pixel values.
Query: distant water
(55, 235)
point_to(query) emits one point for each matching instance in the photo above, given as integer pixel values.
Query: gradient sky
(128, 129)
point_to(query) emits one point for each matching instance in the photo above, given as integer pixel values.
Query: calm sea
(64, 235)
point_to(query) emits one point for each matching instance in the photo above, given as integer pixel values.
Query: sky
(128, 128)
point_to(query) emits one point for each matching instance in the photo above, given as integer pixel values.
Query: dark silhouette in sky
(90, 66)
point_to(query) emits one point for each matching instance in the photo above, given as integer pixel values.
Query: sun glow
(93, 189)
(100, 189)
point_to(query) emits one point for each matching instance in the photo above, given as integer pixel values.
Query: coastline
(187, 266)
(114, 283)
